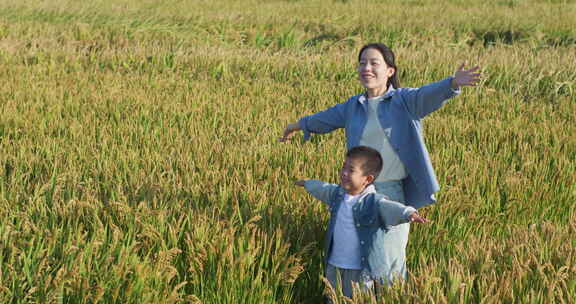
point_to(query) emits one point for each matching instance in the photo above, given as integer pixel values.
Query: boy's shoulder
(378, 200)
(377, 197)
(374, 200)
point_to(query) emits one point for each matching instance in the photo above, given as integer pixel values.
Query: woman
(387, 118)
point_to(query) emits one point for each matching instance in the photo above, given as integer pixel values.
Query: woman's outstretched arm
(322, 122)
(290, 131)
(429, 98)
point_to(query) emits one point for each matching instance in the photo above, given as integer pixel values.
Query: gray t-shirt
(375, 137)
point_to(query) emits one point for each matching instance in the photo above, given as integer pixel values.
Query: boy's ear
(370, 178)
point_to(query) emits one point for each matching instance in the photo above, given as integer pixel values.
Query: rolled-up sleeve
(323, 122)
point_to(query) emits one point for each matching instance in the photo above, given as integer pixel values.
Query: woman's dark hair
(389, 58)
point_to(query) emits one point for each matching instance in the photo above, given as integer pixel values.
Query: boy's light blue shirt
(372, 213)
(399, 114)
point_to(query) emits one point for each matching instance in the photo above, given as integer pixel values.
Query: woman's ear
(391, 71)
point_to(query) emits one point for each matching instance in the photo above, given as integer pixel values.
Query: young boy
(358, 220)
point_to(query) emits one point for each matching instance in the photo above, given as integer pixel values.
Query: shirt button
(357, 225)
(362, 242)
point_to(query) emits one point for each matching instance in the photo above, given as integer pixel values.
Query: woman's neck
(371, 93)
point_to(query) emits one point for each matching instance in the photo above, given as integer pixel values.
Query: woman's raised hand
(290, 130)
(464, 77)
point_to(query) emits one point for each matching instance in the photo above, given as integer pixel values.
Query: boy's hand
(416, 218)
(300, 183)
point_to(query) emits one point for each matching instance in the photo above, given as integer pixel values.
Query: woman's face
(373, 72)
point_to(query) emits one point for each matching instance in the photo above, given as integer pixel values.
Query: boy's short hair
(373, 164)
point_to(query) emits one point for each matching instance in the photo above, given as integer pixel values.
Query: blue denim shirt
(399, 114)
(373, 213)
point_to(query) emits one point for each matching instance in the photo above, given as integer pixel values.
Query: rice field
(139, 160)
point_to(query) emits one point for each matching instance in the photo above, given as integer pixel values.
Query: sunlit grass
(139, 160)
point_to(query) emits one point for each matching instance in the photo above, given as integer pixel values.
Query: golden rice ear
(359, 295)
(329, 291)
(363, 293)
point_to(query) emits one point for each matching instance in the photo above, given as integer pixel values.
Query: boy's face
(352, 176)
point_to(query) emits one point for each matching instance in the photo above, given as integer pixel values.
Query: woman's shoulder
(399, 92)
(400, 96)
(355, 98)
(351, 102)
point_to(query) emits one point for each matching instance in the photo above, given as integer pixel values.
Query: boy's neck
(355, 193)
(359, 191)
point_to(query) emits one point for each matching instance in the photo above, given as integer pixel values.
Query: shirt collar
(388, 94)
(369, 189)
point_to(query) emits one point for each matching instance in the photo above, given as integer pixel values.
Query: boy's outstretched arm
(393, 213)
(319, 189)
